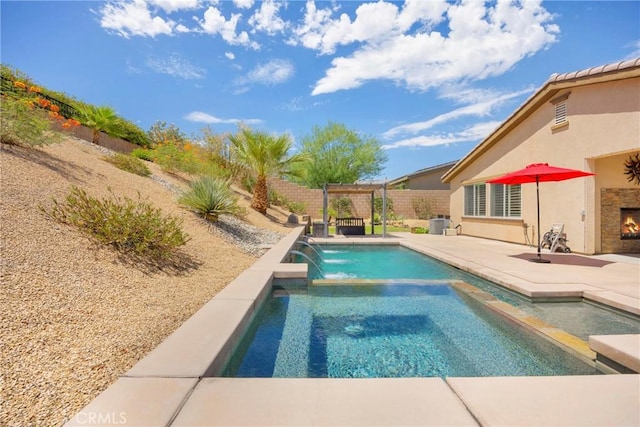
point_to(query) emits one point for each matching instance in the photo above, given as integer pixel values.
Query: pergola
(357, 188)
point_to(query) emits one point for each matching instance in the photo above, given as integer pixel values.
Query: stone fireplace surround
(612, 200)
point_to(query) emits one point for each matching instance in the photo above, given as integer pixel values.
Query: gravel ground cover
(74, 315)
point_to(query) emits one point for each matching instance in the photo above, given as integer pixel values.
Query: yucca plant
(210, 197)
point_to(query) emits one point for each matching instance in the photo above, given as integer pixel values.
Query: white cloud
(215, 23)
(170, 6)
(175, 66)
(266, 18)
(273, 72)
(243, 4)
(230, 55)
(133, 19)
(636, 50)
(200, 117)
(481, 42)
(479, 109)
(471, 134)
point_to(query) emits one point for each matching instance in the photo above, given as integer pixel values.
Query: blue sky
(428, 79)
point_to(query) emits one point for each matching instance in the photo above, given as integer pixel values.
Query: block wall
(402, 200)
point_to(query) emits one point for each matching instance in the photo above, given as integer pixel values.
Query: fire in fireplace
(629, 223)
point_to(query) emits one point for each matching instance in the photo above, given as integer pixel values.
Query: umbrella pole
(539, 258)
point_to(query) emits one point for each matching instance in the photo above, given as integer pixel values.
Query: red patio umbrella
(538, 172)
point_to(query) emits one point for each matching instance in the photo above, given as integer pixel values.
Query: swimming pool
(421, 329)
(408, 317)
(394, 262)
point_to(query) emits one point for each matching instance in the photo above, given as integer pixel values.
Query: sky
(429, 79)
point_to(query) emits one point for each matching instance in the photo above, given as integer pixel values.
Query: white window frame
(475, 200)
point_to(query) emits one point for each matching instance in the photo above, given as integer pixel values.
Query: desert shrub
(378, 204)
(172, 158)
(210, 197)
(247, 183)
(143, 154)
(342, 207)
(422, 207)
(128, 225)
(276, 198)
(296, 207)
(22, 124)
(128, 164)
(419, 230)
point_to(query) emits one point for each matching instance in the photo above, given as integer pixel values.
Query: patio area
(176, 383)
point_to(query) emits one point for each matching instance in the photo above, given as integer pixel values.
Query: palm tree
(100, 119)
(265, 155)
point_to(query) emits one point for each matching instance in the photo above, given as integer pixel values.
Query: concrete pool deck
(176, 383)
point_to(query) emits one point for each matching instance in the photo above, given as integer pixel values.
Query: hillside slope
(75, 315)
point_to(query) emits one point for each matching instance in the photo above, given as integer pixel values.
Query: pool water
(396, 262)
(391, 330)
(416, 323)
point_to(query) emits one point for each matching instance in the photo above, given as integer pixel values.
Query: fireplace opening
(629, 223)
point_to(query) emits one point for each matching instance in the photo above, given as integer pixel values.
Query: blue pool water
(419, 326)
(396, 262)
(390, 330)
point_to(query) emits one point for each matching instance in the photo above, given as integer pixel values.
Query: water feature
(315, 251)
(306, 257)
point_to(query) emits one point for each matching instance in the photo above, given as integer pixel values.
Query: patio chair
(555, 239)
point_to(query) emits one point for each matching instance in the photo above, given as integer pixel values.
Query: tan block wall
(611, 200)
(312, 198)
(115, 144)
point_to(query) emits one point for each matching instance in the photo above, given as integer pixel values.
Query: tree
(162, 134)
(339, 155)
(265, 155)
(100, 119)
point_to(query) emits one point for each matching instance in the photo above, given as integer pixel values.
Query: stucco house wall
(602, 130)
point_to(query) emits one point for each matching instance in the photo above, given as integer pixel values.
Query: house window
(475, 200)
(506, 201)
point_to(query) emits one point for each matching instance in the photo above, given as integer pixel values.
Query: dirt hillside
(75, 315)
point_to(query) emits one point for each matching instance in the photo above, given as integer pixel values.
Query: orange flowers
(44, 103)
(70, 124)
(54, 108)
(20, 85)
(34, 89)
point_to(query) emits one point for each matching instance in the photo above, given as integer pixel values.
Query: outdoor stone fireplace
(620, 220)
(629, 223)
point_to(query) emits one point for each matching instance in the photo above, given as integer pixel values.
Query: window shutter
(561, 112)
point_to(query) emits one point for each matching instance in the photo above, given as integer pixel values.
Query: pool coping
(173, 384)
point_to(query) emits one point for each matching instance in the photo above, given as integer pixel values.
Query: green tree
(339, 155)
(101, 119)
(264, 155)
(162, 134)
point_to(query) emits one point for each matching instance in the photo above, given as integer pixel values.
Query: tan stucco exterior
(602, 130)
(424, 179)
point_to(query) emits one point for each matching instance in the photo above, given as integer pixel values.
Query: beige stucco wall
(603, 129)
(430, 181)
